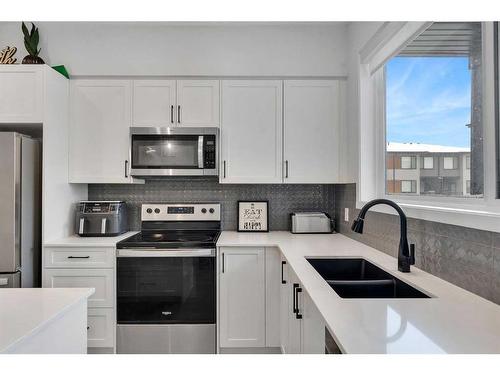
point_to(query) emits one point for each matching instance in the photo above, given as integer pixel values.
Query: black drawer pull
(298, 315)
(294, 307)
(283, 281)
(73, 257)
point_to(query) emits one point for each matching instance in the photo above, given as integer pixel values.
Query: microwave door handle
(201, 162)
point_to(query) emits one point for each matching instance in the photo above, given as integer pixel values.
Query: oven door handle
(165, 253)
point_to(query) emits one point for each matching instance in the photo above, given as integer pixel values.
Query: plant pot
(33, 60)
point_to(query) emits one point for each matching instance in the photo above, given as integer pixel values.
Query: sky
(428, 100)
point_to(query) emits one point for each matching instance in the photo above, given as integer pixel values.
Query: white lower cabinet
(242, 298)
(263, 305)
(100, 328)
(84, 267)
(302, 329)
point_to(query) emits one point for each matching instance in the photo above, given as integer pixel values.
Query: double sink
(358, 278)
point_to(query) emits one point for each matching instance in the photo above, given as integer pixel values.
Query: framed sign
(253, 216)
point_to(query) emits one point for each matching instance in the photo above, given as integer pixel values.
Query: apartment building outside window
(450, 162)
(408, 186)
(408, 162)
(428, 162)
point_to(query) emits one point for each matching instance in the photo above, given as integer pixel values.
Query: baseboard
(250, 351)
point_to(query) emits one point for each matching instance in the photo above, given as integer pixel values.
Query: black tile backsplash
(283, 198)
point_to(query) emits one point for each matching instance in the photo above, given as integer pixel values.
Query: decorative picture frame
(253, 216)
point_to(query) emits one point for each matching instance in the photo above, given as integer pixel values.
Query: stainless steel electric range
(166, 281)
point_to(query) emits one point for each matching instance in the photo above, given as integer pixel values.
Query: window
(408, 186)
(428, 162)
(408, 162)
(450, 162)
(433, 106)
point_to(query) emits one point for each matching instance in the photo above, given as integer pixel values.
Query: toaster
(311, 222)
(101, 218)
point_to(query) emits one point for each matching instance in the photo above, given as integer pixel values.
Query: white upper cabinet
(251, 131)
(154, 103)
(312, 120)
(21, 98)
(242, 297)
(198, 103)
(176, 103)
(99, 131)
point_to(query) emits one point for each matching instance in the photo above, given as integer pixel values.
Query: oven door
(166, 287)
(173, 151)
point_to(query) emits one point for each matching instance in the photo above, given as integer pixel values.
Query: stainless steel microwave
(176, 151)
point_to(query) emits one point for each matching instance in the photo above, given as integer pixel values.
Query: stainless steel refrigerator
(20, 212)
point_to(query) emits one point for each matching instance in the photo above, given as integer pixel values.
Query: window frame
(423, 162)
(481, 213)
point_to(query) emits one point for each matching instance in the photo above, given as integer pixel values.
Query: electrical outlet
(346, 214)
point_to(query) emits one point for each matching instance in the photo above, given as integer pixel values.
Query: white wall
(213, 49)
(359, 33)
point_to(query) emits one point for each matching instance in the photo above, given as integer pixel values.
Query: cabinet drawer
(79, 257)
(101, 280)
(101, 328)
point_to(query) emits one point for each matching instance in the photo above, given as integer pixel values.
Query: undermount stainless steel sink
(358, 278)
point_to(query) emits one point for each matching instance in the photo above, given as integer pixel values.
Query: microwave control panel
(209, 150)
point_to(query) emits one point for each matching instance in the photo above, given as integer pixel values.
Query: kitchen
(247, 188)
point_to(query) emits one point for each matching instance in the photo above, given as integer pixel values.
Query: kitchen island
(453, 320)
(43, 320)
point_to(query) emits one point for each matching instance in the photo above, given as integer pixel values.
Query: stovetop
(171, 239)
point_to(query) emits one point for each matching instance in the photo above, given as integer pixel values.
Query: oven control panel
(181, 212)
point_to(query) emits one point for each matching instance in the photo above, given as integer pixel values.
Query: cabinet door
(294, 319)
(101, 280)
(242, 297)
(101, 328)
(313, 326)
(251, 132)
(312, 116)
(198, 103)
(154, 103)
(285, 305)
(21, 94)
(99, 131)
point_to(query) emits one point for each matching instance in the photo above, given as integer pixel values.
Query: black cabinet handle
(126, 168)
(73, 257)
(294, 307)
(283, 281)
(298, 315)
(172, 114)
(224, 168)
(286, 168)
(179, 114)
(223, 263)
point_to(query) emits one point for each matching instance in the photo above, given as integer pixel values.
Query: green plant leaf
(36, 38)
(28, 47)
(25, 30)
(32, 29)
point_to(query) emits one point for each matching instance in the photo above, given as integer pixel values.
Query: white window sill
(466, 217)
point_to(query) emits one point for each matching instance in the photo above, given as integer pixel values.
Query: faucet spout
(406, 254)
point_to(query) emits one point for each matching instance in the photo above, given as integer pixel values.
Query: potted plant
(31, 39)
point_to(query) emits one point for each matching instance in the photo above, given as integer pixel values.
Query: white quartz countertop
(25, 311)
(77, 241)
(453, 321)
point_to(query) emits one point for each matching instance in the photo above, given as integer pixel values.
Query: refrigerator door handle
(103, 226)
(82, 224)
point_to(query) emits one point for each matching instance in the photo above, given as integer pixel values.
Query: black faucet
(406, 256)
